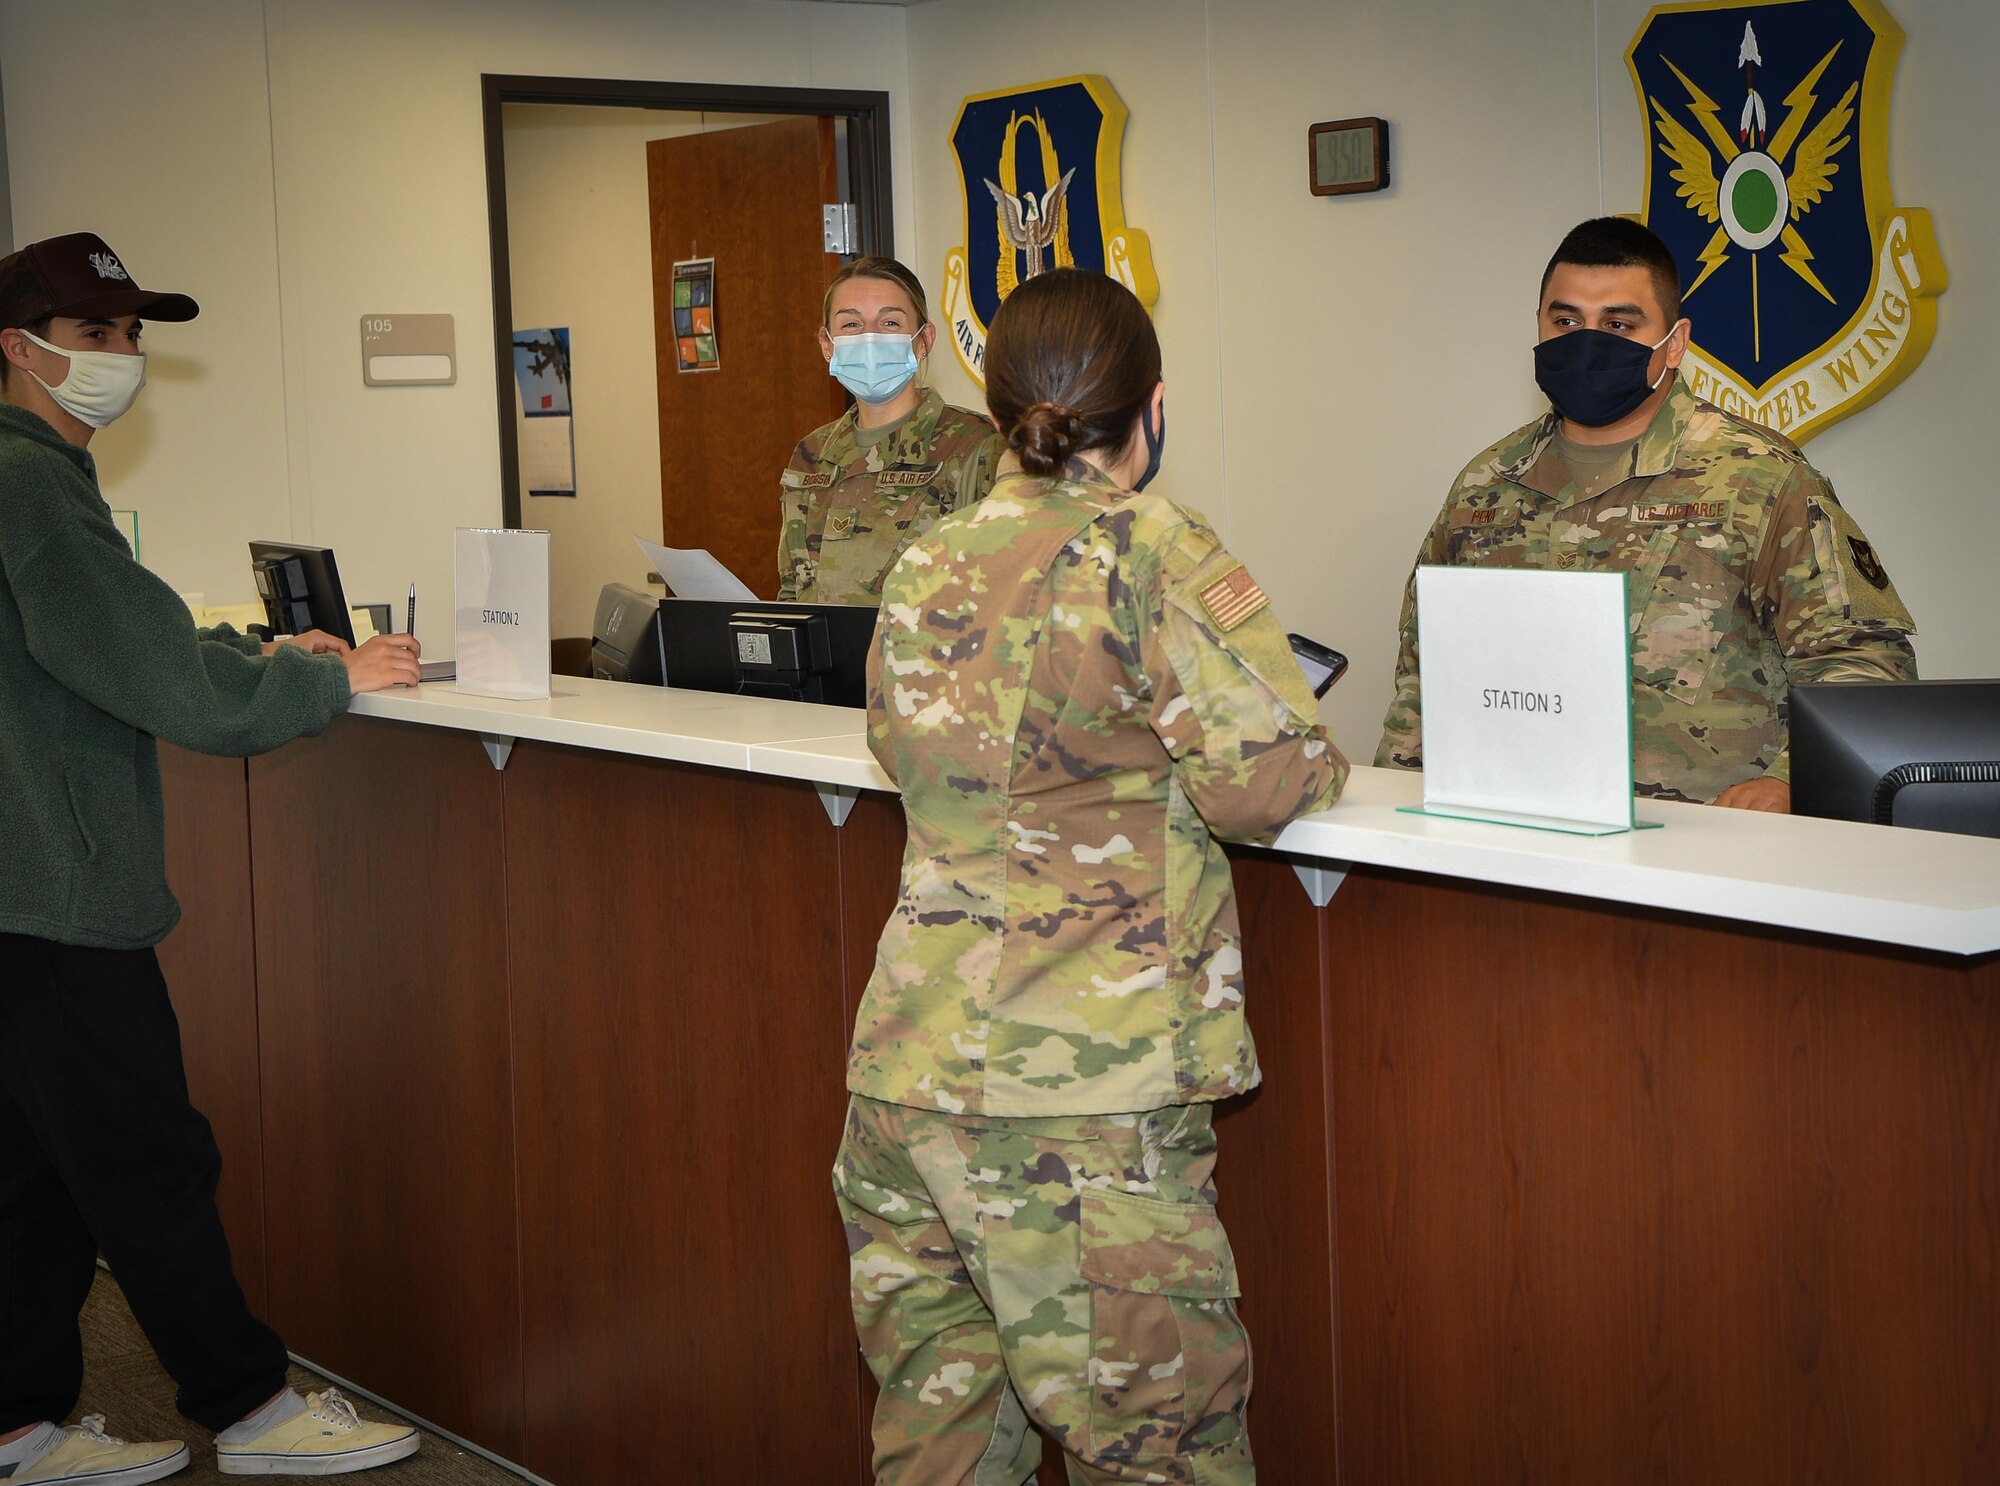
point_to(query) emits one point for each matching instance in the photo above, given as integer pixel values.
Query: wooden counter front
(549, 1069)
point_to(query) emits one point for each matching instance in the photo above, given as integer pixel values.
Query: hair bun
(1045, 437)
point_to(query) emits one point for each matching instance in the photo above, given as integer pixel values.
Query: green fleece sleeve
(120, 638)
(235, 639)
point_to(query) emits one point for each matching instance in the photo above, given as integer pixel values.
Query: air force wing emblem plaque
(1767, 174)
(1038, 172)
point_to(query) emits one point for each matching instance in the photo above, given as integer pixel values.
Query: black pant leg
(47, 1259)
(105, 1091)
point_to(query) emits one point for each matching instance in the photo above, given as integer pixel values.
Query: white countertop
(1916, 888)
(694, 727)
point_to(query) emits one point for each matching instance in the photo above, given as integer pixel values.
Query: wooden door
(750, 198)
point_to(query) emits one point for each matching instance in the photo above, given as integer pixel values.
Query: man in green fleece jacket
(100, 1150)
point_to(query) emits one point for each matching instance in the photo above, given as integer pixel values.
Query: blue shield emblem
(1809, 291)
(1038, 169)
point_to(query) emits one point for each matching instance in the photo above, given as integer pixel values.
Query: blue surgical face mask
(874, 367)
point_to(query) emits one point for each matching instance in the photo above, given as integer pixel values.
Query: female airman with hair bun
(1081, 695)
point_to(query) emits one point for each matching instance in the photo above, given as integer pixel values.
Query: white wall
(1373, 344)
(297, 164)
(580, 255)
(1331, 363)
(173, 168)
(1154, 52)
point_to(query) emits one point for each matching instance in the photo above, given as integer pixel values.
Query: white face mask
(101, 385)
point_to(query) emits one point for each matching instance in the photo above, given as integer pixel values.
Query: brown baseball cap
(78, 275)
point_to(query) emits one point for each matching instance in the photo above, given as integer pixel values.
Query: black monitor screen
(300, 587)
(1906, 753)
(719, 644)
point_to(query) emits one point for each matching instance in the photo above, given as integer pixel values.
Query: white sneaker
(88, 1454)
(327, 1439)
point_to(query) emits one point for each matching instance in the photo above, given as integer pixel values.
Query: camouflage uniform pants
(1069, 1271)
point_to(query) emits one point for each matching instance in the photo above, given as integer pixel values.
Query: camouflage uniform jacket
(1078, 691)
(1746, 575)
(851, 508)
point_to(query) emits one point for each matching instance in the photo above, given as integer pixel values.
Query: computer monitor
(1905, 753)
(804, 652)
(300, 587)
(625, 637)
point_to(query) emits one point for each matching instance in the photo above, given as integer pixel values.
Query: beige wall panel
(1373, 344)
(1349, 355)
(163, 147)
(351, 182)
(1154, 53)
(377, 122)
(1331, 362)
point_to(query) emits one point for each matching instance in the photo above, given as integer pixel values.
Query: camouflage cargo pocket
(1674, 647)
(1170, 1361)
(896, 1239)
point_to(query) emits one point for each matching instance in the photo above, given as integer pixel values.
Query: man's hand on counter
(385, 661)
(1772, 796)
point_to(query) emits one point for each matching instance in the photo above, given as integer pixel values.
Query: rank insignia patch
(1767, 144)
(1038, 173)
(1233, 598)
(1866, 563)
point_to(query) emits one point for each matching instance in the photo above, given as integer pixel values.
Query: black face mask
(1594, 377)
(1155, 442)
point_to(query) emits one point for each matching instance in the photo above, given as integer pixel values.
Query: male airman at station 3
(1746, 575)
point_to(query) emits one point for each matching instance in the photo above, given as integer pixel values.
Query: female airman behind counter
(1081, 694)
(861, 488)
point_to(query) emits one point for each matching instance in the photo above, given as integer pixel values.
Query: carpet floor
(123, 1381)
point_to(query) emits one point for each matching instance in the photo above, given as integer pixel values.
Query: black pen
(410, 620)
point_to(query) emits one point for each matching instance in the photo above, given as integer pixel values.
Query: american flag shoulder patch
(1233, 598)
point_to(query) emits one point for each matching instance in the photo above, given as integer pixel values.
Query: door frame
(867, 116)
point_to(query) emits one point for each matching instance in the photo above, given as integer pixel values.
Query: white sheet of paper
(501, 621)
(1527, 696)
(694, 572)
(548, 457)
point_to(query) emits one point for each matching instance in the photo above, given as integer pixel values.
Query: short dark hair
(33, 327)
(1619, 242)
(1071, 362)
